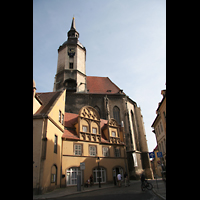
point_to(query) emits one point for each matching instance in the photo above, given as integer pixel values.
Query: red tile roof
(70, 133)
(101, 85)
(70, 119)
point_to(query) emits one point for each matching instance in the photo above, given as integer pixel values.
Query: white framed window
(71, 175)
(113, 134)
(92, 150)
(94, 130)
(59, 117)
(62, 121)
(99, 173)
(78, 149)
(105, 151)
(84, 129)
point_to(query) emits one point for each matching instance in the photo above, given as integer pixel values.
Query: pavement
(159, 188)
(61, 192)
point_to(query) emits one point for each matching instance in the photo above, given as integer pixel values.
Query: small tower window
(71, 65)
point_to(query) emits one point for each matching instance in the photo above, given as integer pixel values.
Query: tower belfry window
(71, 65)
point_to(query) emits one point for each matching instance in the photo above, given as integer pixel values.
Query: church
(105, 97)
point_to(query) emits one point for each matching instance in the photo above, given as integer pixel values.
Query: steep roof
(48, 99)
(101, 85)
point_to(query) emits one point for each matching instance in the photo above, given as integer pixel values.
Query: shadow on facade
(105, 168)
(46, 167)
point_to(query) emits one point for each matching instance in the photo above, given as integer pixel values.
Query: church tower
(71, 73)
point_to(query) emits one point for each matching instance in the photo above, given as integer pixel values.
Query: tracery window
(116, 114)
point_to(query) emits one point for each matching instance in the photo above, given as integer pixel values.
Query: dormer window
(94, 130)
(84, 128)
(113, 134)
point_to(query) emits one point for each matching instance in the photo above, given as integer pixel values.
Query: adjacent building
(156, 164)
(159, 126)
(48, 128)
(61, 141)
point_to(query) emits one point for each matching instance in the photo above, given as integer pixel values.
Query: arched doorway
(99, 173)
(117, 170)
(71, 175)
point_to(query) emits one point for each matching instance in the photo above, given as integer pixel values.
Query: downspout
(43, 136)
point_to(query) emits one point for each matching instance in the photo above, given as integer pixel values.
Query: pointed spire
(73, 33)
(73, 26)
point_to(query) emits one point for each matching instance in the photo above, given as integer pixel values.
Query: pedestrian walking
(119, 178)
(91, 180)
(126, 179)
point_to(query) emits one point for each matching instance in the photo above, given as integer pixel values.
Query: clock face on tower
(71, 52)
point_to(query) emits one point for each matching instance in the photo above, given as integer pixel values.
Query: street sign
(159, 154)
(82, 166)
(151, 155)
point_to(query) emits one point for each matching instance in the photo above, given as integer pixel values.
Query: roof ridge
(47, 92)
(113, 83)
(55, 101)
(48, 105)
(98, 76)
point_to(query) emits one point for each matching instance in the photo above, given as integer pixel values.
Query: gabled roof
(48, 99)
(101, 85)
(70, 133)
(71, 119)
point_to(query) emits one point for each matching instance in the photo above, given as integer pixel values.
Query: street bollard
(78, 182)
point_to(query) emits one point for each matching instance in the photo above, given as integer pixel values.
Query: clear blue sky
(125, 41)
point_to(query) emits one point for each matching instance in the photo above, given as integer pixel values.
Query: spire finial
(73, 26)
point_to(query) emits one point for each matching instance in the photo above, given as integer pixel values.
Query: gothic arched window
(54, 174)
(98, 110)
(116, 114)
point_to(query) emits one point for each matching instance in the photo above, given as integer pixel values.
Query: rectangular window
(92, 150)
(113, 134)
(71, 65)
(78, 149)
(62, 119)
(59, 118)
(55, 143)
(84, 128)
(105, 151)
(117, 152)
(94, 130)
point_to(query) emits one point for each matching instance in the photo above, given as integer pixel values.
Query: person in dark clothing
(126, 178)
(143, 178)
(91, 180)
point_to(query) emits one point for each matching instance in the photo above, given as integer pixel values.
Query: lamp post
(98, 159)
